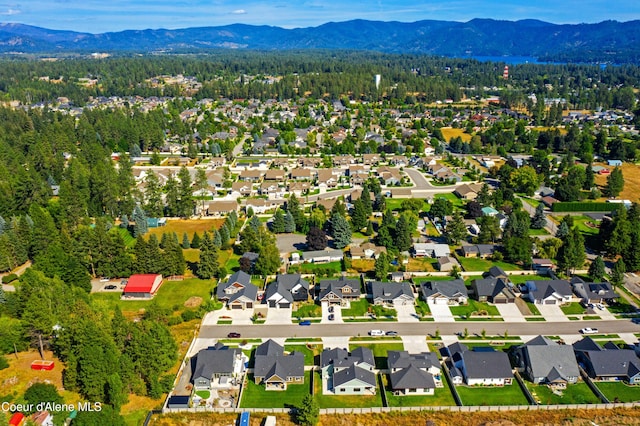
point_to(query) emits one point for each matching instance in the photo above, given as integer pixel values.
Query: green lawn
(308, 310)
(422, 308)
(457, 202)
(442, 397)
(171, 294)
(308, 352)
(619, 391)
(492, 395)
(621, 307)
(521, 279)
(474, 306)
(129, 241)
(477, 264)
(255, 396)
(533, 308)
(573, 308)
(380, 351)
(586, 225)
(538, 232)
(333, 268)
(580, 393)
(358, 308)
(343, 401)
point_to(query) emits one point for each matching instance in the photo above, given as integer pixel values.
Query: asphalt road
(422, 328)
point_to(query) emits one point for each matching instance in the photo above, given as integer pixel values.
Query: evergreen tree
(369, 230)
(277, 225)
(359, 216)
(617, 273)
(380, 204)
(563, 231)
(381, 266)
(384, 237)
(484, 196)
(596, 269)
(456, 229)
(3, 225)
(489, 229)
(539, 220)
(195, 241)
(255, 223)
(172, 197)
(290, 223)
(308, 413)
(403, 241)
(615, 183)
(124, 221)
(153, 195)
(164, 240)
(186, 206)
(340, 231)
(269, 261)
(224, 234)
(365, 196)
(140, 219)
(155, 255)
(217, 239)
(589, 178)
(208, 265)
(571, 254)
(293, 207)
(185, 241)
(440, 208)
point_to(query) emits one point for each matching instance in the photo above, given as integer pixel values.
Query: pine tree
(224, 234)
(308, 413)
(186, 206)
(164, 240)
(539, 220)
(289, 223)
(359, 216)
(381, 266)
(589, 178)
(403, 241)
(172, 196)
(185, 241)
(195, 241)
(369, 230)
(571, 254)
(140, 219)
(293, 207)
(456, 229)
(217, 239)
(365, 196)
(255, 223)
(277, 225)
(3, 225)
(340, 231)
(615, 183)
(153, 195)
(563, 230)
(596, 269)
(124, 221)
(208, 265)
(617, 273)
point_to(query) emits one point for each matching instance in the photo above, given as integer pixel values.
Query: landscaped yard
(255, 396)
(343, 401)
(422, 308)
(380, 351)
(573, 394)
(309, 351)
(358, 308)
(442, 397)
(492, 395)
(425, 264)
(306, 310)
(474, 307)
(327, 269)
(573, 308)
(521, 279)
(619, 391)
(457, 202)
(483, 265)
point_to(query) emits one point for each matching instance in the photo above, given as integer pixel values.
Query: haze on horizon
(99, 16)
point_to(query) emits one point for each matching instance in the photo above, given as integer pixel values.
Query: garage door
(272, 303)
(236, 306)
(500, 301)
(549, 302)
(441, 301)
(285, 305)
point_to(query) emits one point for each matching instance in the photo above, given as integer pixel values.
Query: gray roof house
(275, 369)
(478, 250)
(549, 292)
(431, 250)
(608, 362)
(349, 373)
(480, 366)
(544, 361)
(238, 291)
(322, 256)
(340, 291)
(286, 289)
(416, 374)
(593, 292)
(391, 292)
(494, 290)
(450, 292)
(217, 366)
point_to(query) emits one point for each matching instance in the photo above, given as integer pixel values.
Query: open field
(180, 226)
(631, 173)
(450, 132)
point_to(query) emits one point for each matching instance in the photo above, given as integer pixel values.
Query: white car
(588, 330)
(600, 306)
(105, 280)
(376, 333)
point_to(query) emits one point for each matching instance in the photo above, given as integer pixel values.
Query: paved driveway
(406, 313)
(441, 313)
(288, 243)
(415, 344)
(237, 316)
(278, 316)
(336, 342)
(510, 312)
(552, 313)
(337, 314)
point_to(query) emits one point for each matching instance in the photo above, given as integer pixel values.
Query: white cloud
(239, 12)
(10, 11)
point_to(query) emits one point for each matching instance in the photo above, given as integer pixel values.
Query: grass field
(425, 264)
(343, 401)
(631, 173)
(450, 132)
(180, 226)
(255, 396)
(619, 391)
(477, 264)
(309, 353)
(573, 308)
(474, 306)
(358, 308)
(573, 394)
(308, 310)
(492, 395)
(441, 397)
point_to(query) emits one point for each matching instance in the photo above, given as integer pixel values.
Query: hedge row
(583, 207)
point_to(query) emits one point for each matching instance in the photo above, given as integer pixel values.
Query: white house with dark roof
(549, 292)
(391, 293)
(238, 292)
(451, 292)
(593, 292)
(414, 374)
(345, 373)
(541, 360)
(276, 370)
(482, 366)
(287, 289)
(218, 367)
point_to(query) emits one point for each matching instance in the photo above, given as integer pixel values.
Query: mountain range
(607, 41)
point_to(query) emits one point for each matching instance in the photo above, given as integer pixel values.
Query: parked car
(331, 317)
(330, 308)
(600, 306)
(305, 322)
(105, 279)
(233, 335)
(635, 320)
(110, 287)
(588, 330)
(376, 333)
(392, 333)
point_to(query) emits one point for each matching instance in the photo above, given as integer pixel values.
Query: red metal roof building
(143, 285)
(17, 419)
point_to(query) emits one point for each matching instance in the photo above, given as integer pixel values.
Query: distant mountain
(609, 41)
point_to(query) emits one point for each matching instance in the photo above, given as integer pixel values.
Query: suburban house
(415, 374)
(482, 366)
(341, 291)
(275, 369)
(286, 289)
(218, 367)
(250, 175)
(238, 292)
(391, 293)
(542, 360)
(244, 189)
(431, 250)
(608, 362)
(447, 263)
(327, 179)
(142, 285)
(349, 373)
(221, 207)
(302, 174)
(542, 265)
(451, 292)
(272, 189)
(366, 251)
(593, 292)
(548, 292)
(322, 256)
(275, 174)
(467, 192)
(494, 290)
(478, 250)
(260, 205)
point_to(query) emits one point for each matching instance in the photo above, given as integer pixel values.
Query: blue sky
(97, 16)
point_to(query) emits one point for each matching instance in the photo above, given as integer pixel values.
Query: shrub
(9, 278)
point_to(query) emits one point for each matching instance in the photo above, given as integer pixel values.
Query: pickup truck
(376, 333)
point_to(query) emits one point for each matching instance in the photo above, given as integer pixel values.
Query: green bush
(9, 278)
(3, 363)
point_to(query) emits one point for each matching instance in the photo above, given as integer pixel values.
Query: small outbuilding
(143, 285)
